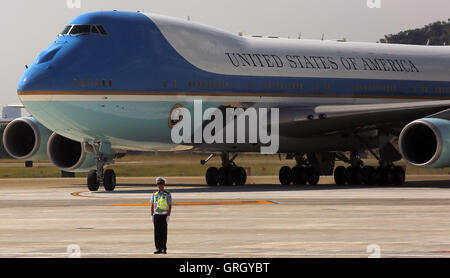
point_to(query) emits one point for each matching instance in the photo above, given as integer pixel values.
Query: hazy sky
(31, 25)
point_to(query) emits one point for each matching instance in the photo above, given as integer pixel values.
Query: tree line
(437, 33)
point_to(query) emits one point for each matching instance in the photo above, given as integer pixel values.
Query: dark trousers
(160, 224)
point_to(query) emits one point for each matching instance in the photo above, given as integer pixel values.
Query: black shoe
(158, 252)
(164, 251)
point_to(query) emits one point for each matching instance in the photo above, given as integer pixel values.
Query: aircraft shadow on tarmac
(192, 188)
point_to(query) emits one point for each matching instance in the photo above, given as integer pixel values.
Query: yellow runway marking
(210, 203)
(77, 194)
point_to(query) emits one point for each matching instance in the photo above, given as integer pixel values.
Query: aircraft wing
(325, 119)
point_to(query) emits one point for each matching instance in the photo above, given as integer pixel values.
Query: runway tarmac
(56, 217)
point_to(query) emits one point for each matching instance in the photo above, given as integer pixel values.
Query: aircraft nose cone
(32, 88)
(35, 78)
(23, 84)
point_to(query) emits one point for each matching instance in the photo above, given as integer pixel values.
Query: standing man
(161, 208)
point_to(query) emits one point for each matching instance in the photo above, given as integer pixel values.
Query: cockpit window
(78, 29)
(101, 29)
(94, 29)
(66, 29)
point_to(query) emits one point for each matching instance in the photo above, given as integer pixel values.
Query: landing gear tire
(340, 175)
(382, 176)
(399, 175)
(299, 175)
(390, 176)
(240, 176)
(369, 175)
(92, 182)
(225, 176)
(212, 176)
(355, 175)
(313, 176)
(285, 175)
(385, 176)
(109, 180)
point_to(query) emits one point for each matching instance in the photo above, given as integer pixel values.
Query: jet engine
(26, 138)
(426, 143)
(69, 155)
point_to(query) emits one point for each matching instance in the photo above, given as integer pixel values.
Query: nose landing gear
(99, 177)
(108, 180)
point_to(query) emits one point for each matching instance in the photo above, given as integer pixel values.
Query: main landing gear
(310, 167)
(98, 177)
(228, 174)
(303, 172)
(357, 173)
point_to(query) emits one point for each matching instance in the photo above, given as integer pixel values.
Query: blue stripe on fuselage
(135, 56)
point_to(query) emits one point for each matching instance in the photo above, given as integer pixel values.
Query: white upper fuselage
(217, 51)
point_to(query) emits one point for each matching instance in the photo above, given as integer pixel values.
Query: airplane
(111, 81)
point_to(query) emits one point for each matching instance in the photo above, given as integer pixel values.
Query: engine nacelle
(26, 138)
(69, 155)
(426, 143)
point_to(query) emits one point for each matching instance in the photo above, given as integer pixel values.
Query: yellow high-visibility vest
(160, 204)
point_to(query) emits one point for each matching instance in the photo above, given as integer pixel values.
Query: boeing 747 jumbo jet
(117, 81)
